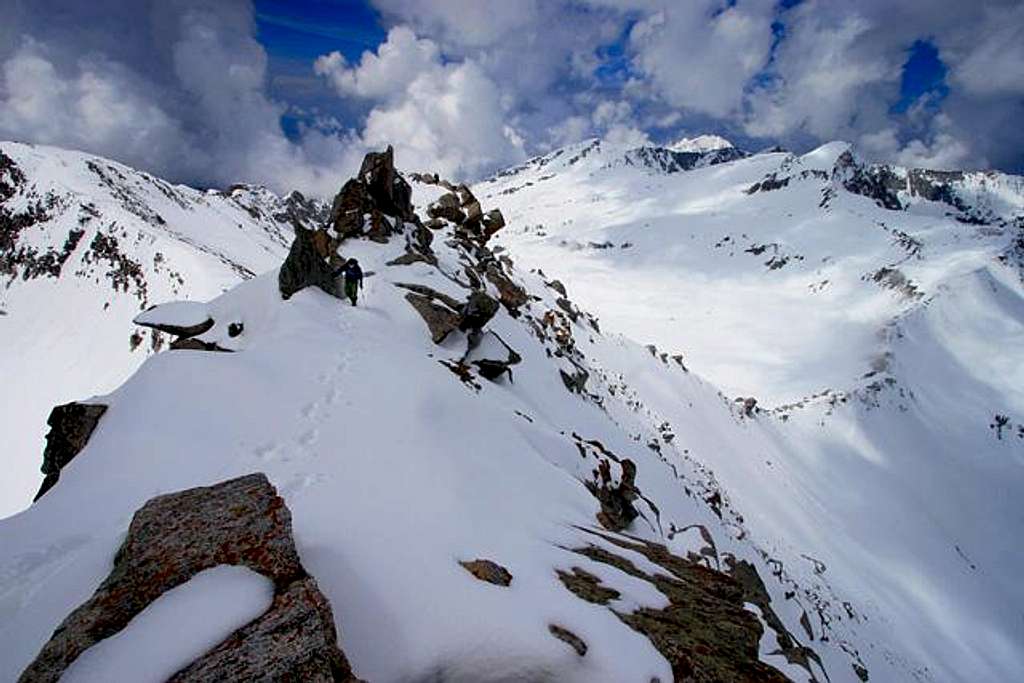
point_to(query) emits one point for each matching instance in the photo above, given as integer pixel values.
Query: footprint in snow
(309, 410)
(309, 437)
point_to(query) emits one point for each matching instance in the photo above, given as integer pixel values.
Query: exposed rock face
(174, 537)
(705, 633)
(71, 425)
(488, 571)
(512, 295)
(304, 267)
(440, 320)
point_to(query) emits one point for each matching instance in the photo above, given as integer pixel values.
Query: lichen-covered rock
(71, 425)
(294, 640)
(174, 537)
(305, 267)
(488, 571)
(512, 295)
(704, 632)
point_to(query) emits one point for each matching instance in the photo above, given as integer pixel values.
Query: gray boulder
(174, 537)
(304, 267)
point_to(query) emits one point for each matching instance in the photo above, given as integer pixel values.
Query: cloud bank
(179, 87)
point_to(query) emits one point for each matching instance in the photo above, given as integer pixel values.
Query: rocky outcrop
(705, 632)
(305, 267)
(389, 191)
(174, 537)
(440, 320)
(488, 571)
(616, 499)
(375, 203)
(445, 314)
(71, 425)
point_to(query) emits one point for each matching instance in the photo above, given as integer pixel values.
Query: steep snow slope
(85, 244)
(885, 343)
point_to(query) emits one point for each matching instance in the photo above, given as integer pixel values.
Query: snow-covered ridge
(86, 244)
(876, 511)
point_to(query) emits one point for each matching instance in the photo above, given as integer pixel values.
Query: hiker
(353, 278)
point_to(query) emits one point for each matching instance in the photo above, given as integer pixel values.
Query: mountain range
(655, 413)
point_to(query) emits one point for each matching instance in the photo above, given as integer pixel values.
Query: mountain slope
(582, 472)
(85, 244)
(874, 312)
(858, 534)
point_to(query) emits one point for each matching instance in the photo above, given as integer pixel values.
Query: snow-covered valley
(872, 488)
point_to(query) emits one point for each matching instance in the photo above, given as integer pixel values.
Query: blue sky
(191, 87)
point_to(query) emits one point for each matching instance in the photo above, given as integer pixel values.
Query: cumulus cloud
(185, 99)
(701, 56)
(465, 86)
(445, 116)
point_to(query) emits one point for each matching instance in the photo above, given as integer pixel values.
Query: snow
(69, 338)
(175, 313)
(177, 628)
(884, 510)
(700, 143)
(901, 489)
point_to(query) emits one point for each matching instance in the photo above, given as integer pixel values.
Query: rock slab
(174, 537)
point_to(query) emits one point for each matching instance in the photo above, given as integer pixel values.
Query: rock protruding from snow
(705, 632)
(375, 203)
(305, 267)
(180, 318)
(174, 537)
(71, 425)
(489, 571)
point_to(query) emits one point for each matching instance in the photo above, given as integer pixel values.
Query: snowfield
(866, 486)
(100, 243)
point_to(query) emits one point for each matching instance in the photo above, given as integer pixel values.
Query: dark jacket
(352, 273)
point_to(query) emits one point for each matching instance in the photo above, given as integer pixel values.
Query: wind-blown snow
(177, 628)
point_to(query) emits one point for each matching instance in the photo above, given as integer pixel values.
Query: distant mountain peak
(700, 143)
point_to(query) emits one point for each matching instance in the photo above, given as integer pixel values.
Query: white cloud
(397, 63)
(823, 70)
(203, 116)
(449, 117)
(701, 56)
